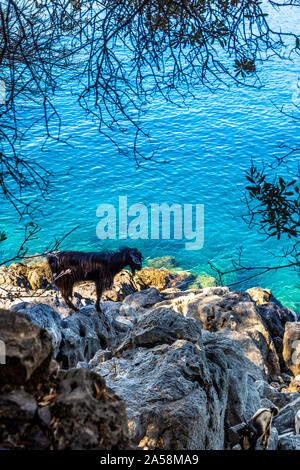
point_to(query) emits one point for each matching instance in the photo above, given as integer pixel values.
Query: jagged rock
(211, 384)
(23, 275)
(291, 347)
(285, 421)
(160, 326)
(14, 275)
(277, 398)
(84, 333)
(28, 348)
(124, 284)
(87, 414)
(289, 442)
(44, 316)
(39, 276)
(261, 296)
(19, 428)
(145, 298)
(78, 337)
(276, 317)
(294, 385)
(17, 405)
(40, 409)
(101, 355)
(243, 398)
(171, 400)
(234, 312)
(181, 280)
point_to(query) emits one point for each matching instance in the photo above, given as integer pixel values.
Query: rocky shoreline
(170, 363)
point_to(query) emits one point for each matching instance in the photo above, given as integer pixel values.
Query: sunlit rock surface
(179, 369)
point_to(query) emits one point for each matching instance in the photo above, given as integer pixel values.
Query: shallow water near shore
(208, 147)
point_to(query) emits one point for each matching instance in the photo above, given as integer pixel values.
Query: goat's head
(133, 258)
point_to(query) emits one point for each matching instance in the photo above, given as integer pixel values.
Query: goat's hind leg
(268, 434)
(67, 296)
(99, 290)
(70, 304)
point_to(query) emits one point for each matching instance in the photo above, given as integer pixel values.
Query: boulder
(294, 385)
(144, 299)
(161, 326)
(285, 421)
(46, 317)
(171, 400)
(14, 275)
(275, 318)
(86, 414)
(261, 296)
(243, 398)
(78, 337)
(84, 333)
(17, 405)
(151, 277)
(42, 409)
(39, 276)
(289, 442)
(28, 348)
(22, 275)
(291, 347)
(184, 394)
(277, 398)
(234, 312)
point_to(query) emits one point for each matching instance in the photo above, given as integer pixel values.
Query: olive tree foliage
(118, 55)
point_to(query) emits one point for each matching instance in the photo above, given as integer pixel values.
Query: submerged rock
(165, 262)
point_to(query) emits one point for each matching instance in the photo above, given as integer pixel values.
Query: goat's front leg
(99, 290)
(70, 304)
(263, 438)
(268, 434)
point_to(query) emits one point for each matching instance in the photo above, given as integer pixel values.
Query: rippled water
(208, 147)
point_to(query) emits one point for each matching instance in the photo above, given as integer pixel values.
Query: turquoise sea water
(208, 146)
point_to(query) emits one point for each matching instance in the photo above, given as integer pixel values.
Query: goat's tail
(52, 261)
(274, 410)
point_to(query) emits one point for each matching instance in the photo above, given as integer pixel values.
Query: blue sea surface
(208, 146)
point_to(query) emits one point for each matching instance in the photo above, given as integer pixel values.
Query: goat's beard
(135, 268)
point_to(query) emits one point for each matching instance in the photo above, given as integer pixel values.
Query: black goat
(69, 267)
